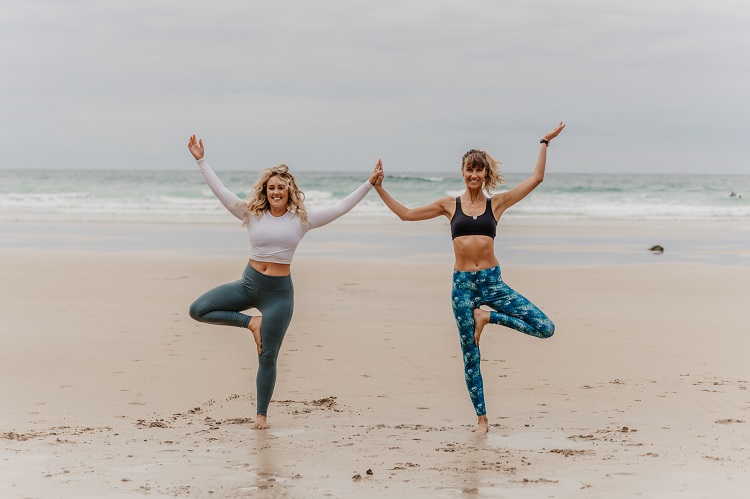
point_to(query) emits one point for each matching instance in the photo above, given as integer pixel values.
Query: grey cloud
(645, 86)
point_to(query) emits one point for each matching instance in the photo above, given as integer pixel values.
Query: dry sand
(109, 389)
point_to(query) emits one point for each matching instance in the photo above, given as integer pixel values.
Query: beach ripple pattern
(511, 309)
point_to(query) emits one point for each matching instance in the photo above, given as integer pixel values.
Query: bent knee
(547, 330)
(195, 312)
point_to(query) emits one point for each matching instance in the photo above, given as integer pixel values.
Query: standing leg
(277, 308)
(465, 298)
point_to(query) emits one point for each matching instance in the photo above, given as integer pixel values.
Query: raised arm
(230, 200)
(505, 200)
(432, 210)
(321, 217)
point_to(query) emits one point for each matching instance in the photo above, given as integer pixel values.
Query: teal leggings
(486, 287)
(274, 297)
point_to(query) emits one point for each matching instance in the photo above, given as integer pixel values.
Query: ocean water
(183, 197)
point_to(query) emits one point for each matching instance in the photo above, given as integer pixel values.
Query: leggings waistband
(477, 274)
(270, 282)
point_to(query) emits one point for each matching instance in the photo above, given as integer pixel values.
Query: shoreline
(401, 242)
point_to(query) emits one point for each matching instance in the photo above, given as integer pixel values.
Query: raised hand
(377, 174)
(196, 147)
(554, 133)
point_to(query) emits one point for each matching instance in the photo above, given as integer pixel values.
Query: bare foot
(260, 422)
(483, 425)
(481, 319)
(254, 327)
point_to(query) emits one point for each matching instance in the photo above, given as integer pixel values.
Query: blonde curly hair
(257, 203)
(476, 158)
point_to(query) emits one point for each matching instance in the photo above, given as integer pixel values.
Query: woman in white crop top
(276, 221)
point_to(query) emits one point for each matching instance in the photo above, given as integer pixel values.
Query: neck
(277, 212)
(474, 195)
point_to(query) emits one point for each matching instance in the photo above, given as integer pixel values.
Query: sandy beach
(111, 390)
(600, 145)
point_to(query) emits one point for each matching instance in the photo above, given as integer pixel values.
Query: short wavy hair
(257, 204)
(477, 158)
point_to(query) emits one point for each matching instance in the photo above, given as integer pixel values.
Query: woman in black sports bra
(476, 273)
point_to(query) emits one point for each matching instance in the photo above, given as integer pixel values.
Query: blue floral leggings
(486, 287)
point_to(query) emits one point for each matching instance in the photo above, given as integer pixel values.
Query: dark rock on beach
(657, 249)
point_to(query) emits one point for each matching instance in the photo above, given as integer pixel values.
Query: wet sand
(111, 390)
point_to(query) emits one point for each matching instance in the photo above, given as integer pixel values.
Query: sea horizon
(181, 196)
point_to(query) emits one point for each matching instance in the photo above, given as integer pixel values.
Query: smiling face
(277, 193)
(474, 174)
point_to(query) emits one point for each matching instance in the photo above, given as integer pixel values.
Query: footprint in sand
(728, 421)
(572, 452)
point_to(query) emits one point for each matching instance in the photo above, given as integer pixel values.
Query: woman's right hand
(196, 147)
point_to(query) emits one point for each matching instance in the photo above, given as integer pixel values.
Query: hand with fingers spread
(196, 147)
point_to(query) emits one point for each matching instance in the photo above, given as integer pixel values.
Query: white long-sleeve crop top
(274, 239)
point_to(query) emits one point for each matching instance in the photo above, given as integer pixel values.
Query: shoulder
(447, 201)
(448, 205)
(498, 198)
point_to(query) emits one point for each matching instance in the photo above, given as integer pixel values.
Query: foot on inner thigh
(481, 319)
(254, 327)
(260, 422)
(483, 425)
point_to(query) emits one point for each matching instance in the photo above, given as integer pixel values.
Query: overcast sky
(644, 85)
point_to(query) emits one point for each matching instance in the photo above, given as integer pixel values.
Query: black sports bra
(482, 225)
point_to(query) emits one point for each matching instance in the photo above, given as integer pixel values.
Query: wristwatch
(545, 142)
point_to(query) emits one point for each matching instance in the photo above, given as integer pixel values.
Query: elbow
(538, 179)
(405, 216)
(546, 329)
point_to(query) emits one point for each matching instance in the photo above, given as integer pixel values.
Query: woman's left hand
(554, 133)
(377, 173)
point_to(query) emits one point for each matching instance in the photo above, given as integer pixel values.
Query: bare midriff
(474, 253)
(270, 268)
